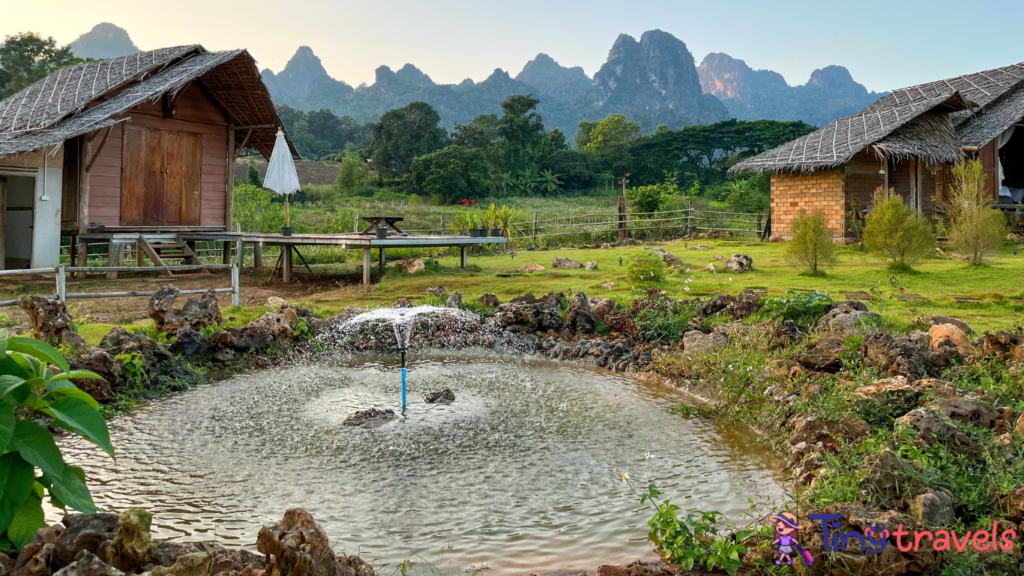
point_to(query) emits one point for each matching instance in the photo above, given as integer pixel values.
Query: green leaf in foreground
(16, 479)
(27, 520)
(76, 414)
(36, 446)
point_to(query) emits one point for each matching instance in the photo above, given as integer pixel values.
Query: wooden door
(161, 177)
(183, 157)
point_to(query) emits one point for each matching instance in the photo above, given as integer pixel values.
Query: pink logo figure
(786, 543)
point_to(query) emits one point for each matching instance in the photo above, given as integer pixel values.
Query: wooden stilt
(367, 266)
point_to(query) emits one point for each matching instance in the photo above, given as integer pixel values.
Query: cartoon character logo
(786, 542)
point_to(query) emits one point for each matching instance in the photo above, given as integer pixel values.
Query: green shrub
(975, 228)
(664, 321)
(799, 307)
(646, 269)
(30, 390)
(353, 174)
(895, 233)
(811, 247)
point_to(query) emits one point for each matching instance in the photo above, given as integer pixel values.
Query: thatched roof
(72, 101)
(978, 106)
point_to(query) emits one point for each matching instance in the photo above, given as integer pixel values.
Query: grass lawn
(999, 285)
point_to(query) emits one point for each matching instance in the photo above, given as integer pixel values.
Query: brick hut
(142, 143)
(906, 141)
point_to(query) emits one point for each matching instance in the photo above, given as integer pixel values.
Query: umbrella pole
(287, 220)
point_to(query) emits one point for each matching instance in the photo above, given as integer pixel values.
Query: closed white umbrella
(281, 176)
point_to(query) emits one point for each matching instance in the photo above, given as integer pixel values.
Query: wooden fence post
(759, 223)
(355, 223)
(442, 226)
(689, 219)
(535, 229)
(623, 230)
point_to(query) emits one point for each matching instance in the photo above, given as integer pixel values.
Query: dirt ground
(255, 290)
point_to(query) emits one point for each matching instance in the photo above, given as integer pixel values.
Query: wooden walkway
(161, 246)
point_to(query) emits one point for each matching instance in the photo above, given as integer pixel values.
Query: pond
(519, 474)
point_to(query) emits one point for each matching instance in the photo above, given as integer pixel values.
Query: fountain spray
(403, 379)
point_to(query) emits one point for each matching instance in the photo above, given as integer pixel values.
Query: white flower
(730, 278)
(649, 455)
(730, 366)
(625, 477)
(687, 269)
(687, 288)
(749, 368)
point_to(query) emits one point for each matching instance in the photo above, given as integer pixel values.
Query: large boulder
(50, 320)
(132, 547)
(84, 532)
(566, 263)
(197, 313)
(578, 315)
(298, 545)
(696, 341)
(740, 263)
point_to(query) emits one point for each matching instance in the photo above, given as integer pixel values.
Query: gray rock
(88, 565)
(403, 303)
(696, 341)
(197, 313)
(591, 266)
(740, 263)
(934, 427)
(934, 507)
(224, 355)
(445, 396)
(849, 322)
(369, 417)
(189, 343)
(520, 316)
(84, 532)
(578, 315)
(968, 410)
(437, 291)
(667, 257)
(939, 320)
(244, 339)
(889, 475)
(490, 300)
(601, 306)
(566, 263)
(454, 300)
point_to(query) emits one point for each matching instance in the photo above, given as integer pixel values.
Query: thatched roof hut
(905, 141)
(137, 143)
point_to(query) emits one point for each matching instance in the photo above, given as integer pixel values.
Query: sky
(885, 44)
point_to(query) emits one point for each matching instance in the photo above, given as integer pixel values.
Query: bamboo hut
(143, 143)
(905, 141)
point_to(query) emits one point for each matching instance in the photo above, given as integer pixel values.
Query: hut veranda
(142, 143)
(906, 141)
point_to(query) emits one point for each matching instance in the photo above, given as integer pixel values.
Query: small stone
(934, 507)
(371, 416)
(489, 300)
(224, 355)
(697, 341)
(606, 246)
(276, 302)
(740, 263)
(531, 268)
(608, 285)
(88, 564)
(566, 263)
(445, 396)
(437, 291)
(591, 266)
(413, 265)
(403, 303)
(454, 301)
(194, 564)
(132, 547)
(949, 334)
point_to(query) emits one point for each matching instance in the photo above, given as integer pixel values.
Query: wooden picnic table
(376, 220)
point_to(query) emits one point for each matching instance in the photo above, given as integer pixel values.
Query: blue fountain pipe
(403, 380)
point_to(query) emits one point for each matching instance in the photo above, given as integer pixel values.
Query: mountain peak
(105, 40)
(498, 75)
(554, 80)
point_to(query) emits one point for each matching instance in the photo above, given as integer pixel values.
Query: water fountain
(401, 321)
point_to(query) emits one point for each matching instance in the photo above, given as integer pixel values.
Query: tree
(896, 233)
(749, 194)
(976, 229)
(610, 140)
(522, 130)
(322, 131)
(452, 173)
(811, 247)
(481, 134)
(403, 134)
(252, 175)
(574, 168)
(28, 57)
(549, 183)
(554, 141)
(353, 173)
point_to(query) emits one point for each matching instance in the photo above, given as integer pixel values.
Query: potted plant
(382, 231)
(507, 220)
(492, 221)
(473, 225)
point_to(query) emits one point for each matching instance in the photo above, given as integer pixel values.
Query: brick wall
(820, 191)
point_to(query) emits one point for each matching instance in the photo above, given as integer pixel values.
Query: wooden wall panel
(133, 177)
(195, 114)
(69, 188)
(989, 154)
